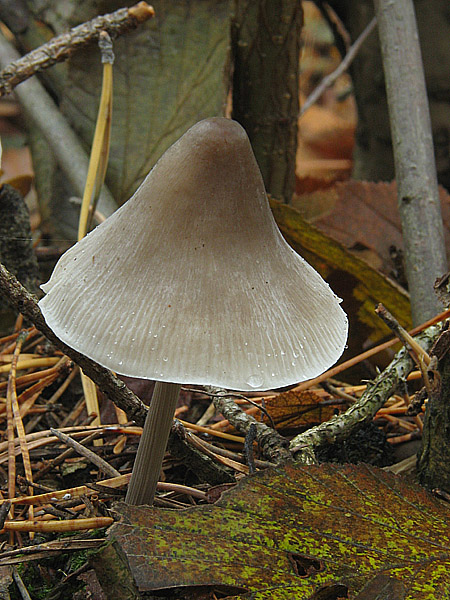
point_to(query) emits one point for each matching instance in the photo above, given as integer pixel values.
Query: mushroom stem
(152, 447)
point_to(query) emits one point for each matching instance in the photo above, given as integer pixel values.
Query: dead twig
(403, 335)
(421, 357)
(260, 464)
(329, 80)
(240, 397)
(198, 444)
(63, 46)
(365, 408)
(66, 454)
(272, 444)
(83, 451)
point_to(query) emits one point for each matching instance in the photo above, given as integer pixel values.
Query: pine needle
(14, 419)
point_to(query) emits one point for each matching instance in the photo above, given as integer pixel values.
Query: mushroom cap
(190, 281)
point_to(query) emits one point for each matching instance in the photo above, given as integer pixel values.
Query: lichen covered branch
(376, 394)
(63, 46)
(273, 446)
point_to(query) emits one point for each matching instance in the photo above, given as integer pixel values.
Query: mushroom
(191, 281)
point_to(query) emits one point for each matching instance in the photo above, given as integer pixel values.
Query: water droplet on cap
(254, 381)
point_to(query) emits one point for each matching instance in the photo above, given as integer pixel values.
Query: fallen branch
(273, 445)
(60, 48)
(376, 394)
(109, 384)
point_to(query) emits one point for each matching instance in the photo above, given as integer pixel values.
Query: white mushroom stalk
(191, 282)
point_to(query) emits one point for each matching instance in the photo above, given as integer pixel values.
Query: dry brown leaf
(294, 409)
(363, 216)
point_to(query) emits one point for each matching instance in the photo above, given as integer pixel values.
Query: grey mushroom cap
(190, 281)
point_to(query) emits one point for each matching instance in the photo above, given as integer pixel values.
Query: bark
(265, 38)
(434, 457)
(273, 446)
(415, 169)
(16, 247)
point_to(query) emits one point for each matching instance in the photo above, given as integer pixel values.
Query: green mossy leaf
(168, 74)
(293, 532)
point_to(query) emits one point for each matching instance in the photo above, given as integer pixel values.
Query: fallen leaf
(360, 285)
(326, 133)
(308, 184)
(295, 409)
(168, 74)
(382, 587)
(363, 216)
(293, 532)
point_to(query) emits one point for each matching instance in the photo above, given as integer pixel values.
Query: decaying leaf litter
(86, 506)
(72, 508)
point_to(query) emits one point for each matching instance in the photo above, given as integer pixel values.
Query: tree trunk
(373, 152)
(434, 457)
(266, 45)
(415, 169)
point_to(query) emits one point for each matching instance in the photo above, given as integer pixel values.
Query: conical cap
(191, 281)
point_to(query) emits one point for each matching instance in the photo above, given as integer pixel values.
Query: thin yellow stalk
(96, 174)
(99, 153)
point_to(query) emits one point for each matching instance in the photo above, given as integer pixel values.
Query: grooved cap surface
(191, 281)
